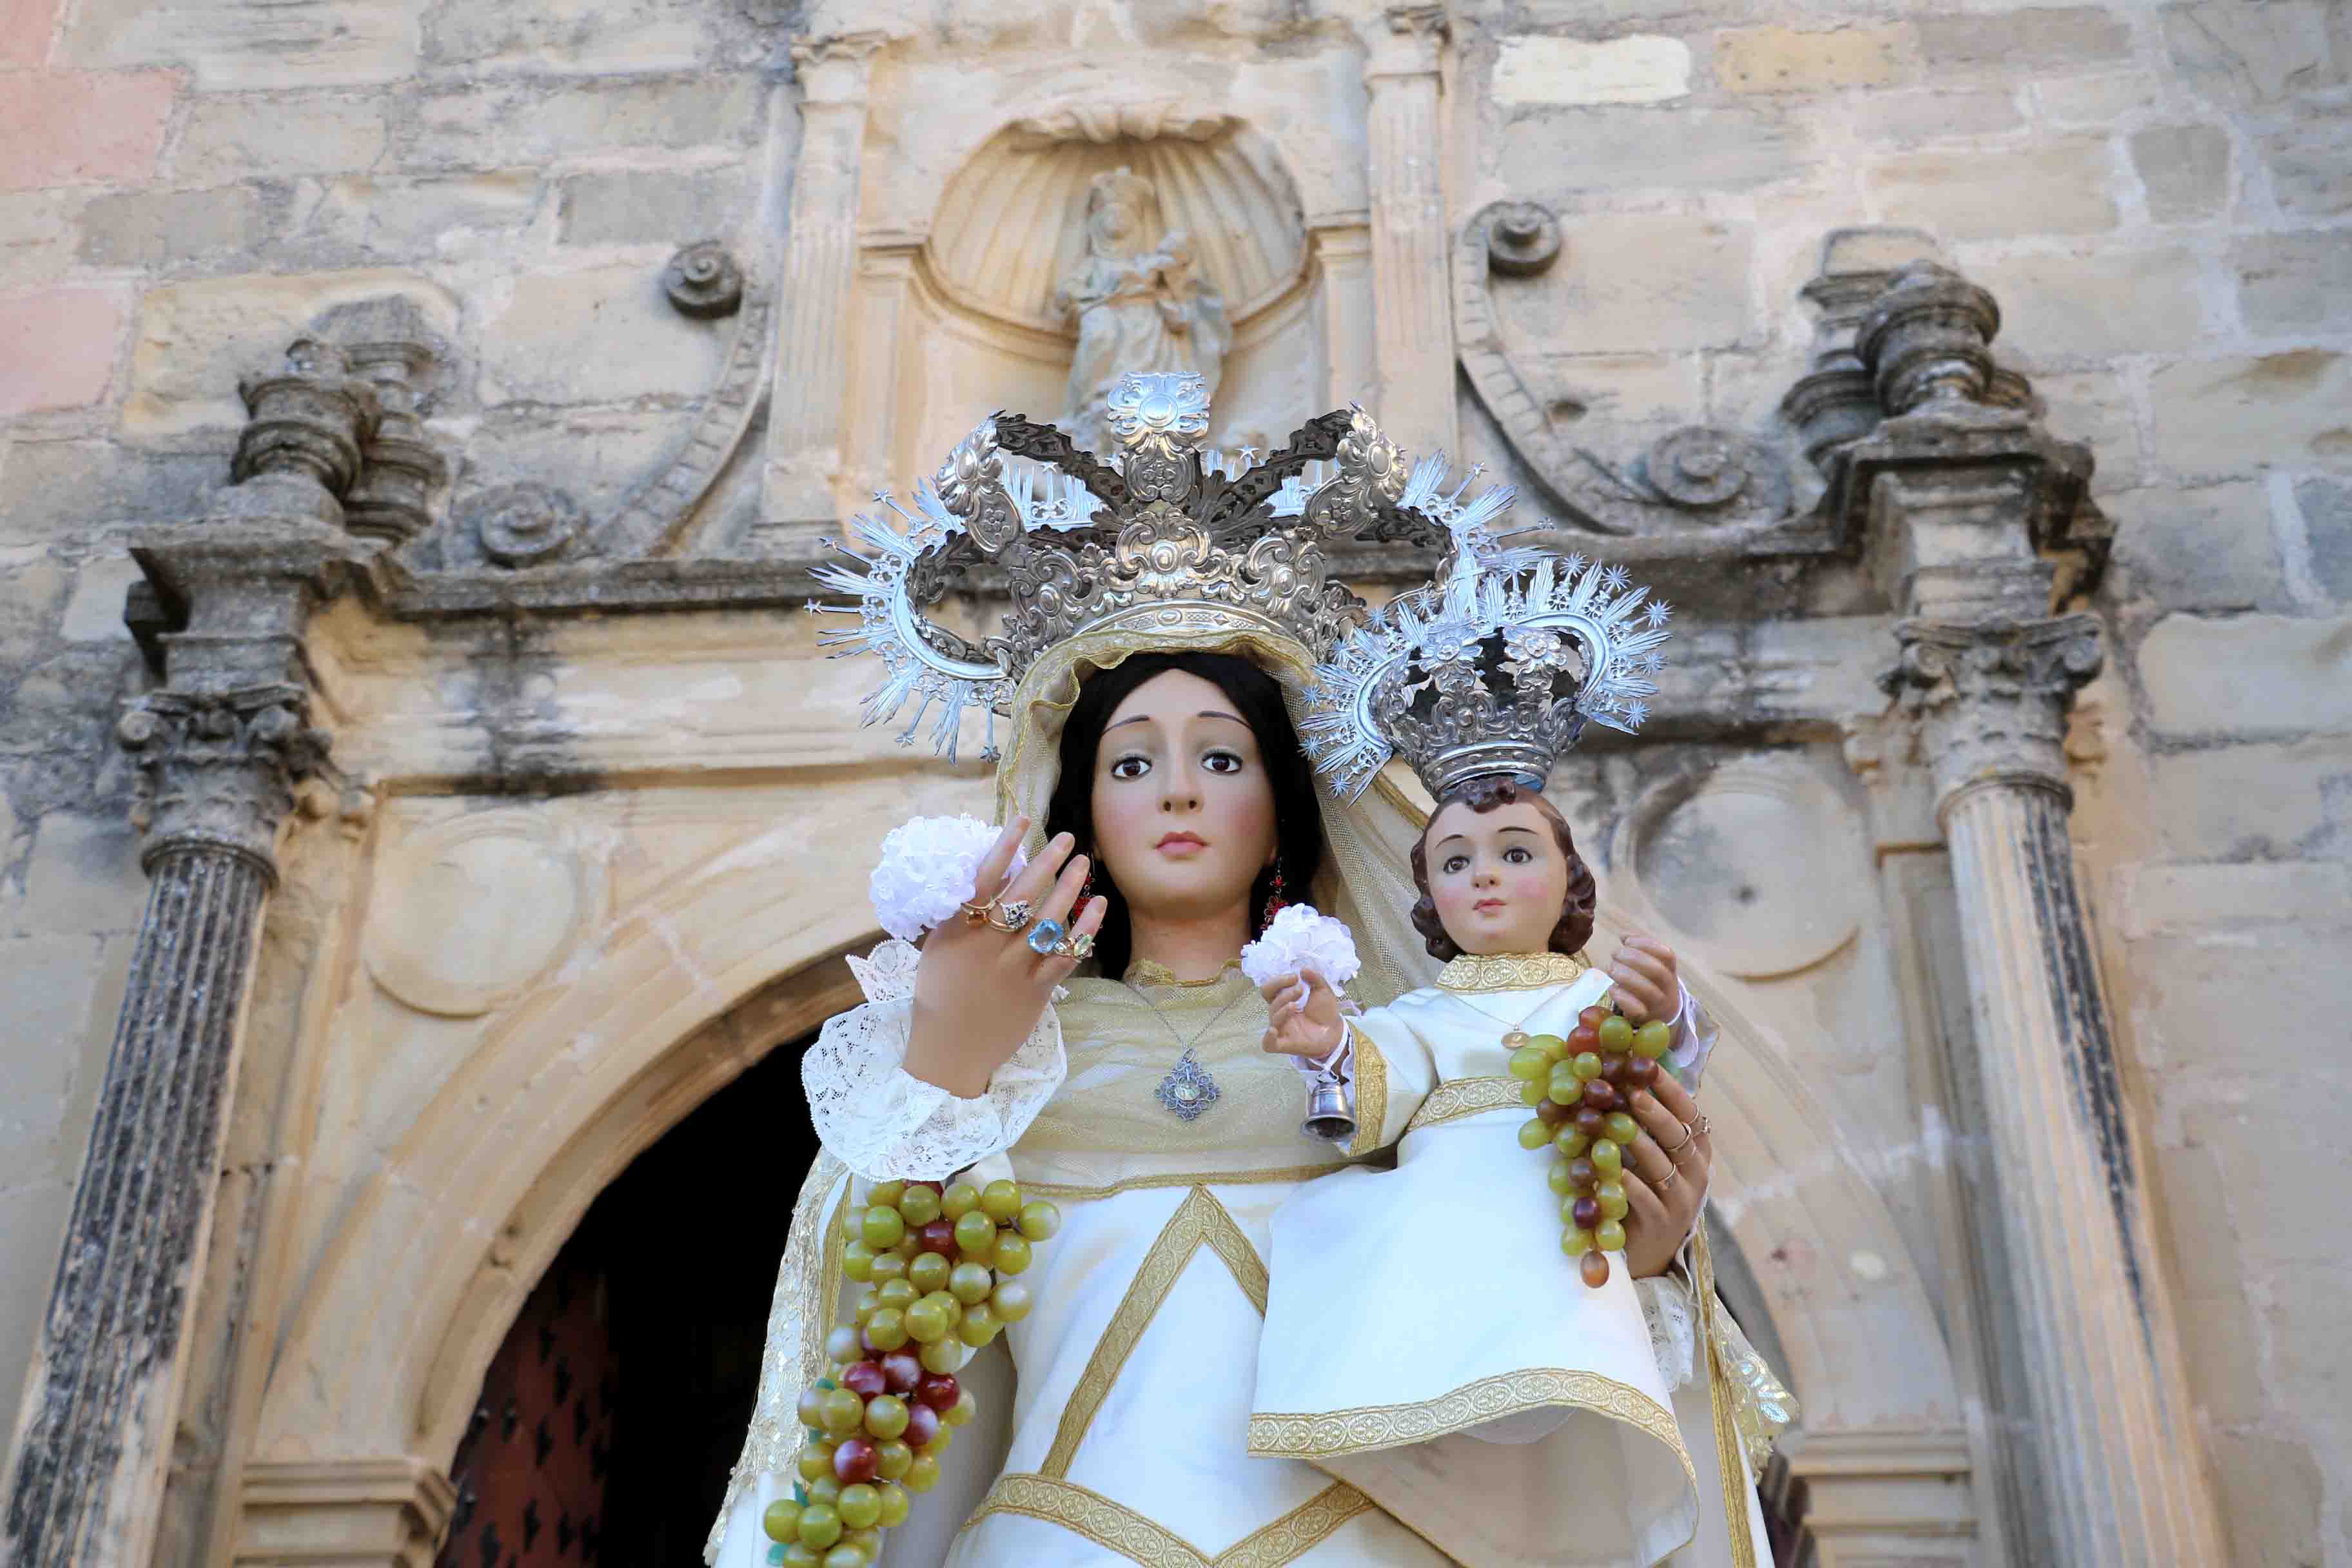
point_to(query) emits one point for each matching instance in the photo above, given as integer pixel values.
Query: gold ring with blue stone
(1044, 936)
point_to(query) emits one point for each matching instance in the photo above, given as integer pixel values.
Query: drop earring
(1275, 902)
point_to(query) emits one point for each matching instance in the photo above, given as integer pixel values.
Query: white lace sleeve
(887, 1124)
(1673, 1326)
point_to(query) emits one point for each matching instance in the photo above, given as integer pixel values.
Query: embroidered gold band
(1376, 1427)
(1072, 1192)
(1371, 1094)
(1511, 971)
(1726, 1428)
(1460, 1097)
(1201, 1220)
(1118, 1528)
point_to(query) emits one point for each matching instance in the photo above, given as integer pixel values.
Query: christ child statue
(1497, 1402)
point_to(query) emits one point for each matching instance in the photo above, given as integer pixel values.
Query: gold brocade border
(1512, 971)
(1376, 1427)
(1200, 1220)
(1459, 1097)
(1118, 1528)
(1727, 1430)
(1183, 1179)
(1371, 1094)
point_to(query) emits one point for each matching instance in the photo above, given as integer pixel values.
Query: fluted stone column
(220, 749)
(1979, 523)
(813, 297)
(1413, 321)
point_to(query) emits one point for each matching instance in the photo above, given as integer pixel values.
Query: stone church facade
(419, 419)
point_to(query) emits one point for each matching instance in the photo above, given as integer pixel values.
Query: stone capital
(836, 68)
(216, 770)
(1406, 41)
(378, 1512)
(1991, 696)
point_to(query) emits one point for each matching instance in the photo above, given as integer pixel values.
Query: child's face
(1498, 877)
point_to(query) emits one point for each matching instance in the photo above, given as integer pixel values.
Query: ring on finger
(1009, 918)
(975, 915)
(1672, 1176)
(1077, 944)
(1689, 1132)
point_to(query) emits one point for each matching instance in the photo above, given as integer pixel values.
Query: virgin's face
(1498, 877)
(1183, 809)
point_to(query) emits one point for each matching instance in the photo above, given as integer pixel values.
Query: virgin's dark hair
(1482, 795)
(1298, 822)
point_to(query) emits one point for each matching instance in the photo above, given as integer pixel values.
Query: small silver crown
(1168, 541)
(1494, 668)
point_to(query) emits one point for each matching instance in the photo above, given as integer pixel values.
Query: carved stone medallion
(471, 913)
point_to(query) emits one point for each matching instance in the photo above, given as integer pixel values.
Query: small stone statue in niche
(1140, 304)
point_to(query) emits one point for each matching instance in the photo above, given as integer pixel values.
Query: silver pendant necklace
(1188, 1089)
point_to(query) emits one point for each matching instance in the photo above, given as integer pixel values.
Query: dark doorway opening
(612, 1413)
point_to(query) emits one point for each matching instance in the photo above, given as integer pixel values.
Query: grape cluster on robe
(939, 1266)
(1579, 1088)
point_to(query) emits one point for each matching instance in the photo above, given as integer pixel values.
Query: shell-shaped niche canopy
(1011, 224)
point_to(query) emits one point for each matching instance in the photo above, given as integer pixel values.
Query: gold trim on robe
(1118, 1528)
(1512, 971)
(1457, 1098)
(1371, 1096)
(1180, 1179)
(1362, 1431)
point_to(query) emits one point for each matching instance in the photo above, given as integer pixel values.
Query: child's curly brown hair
(1484, 794)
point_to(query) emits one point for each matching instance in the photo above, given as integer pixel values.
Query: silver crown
(1494, 668)
(1167, 541)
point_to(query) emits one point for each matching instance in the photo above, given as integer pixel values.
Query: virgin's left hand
(1663, 1190)
(1647, 981)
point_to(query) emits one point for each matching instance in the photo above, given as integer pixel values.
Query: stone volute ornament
(704, 282)
(220, 749)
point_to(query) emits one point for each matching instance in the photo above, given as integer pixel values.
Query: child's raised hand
(1302, 1016)
(1648, 982)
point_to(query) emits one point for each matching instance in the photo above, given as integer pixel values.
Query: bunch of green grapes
(938, 1264)
(1579, 1088)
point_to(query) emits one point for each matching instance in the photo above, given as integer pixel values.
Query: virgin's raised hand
(979, 991)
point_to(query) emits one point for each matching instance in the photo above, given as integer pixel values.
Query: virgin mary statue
(1138, 300)
(1155, 776)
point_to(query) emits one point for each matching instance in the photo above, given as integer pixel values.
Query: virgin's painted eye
(1131, 767)
(1223, 762)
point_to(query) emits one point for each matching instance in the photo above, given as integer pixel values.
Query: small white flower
(927, 871)
(1301, 938)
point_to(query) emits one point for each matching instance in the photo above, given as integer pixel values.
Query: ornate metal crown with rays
(1493, 669)
(1168, 541)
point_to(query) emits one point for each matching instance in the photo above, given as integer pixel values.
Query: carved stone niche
(995, 318)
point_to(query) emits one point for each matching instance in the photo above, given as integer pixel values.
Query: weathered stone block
(32, 1228)
(2016, 42)
(2097, 102)
(2291, 283)
(2105, 303)
(26, 27)
(1551, 155)
(2326, 508)
(2095, 407)
(231, 44)
(66, 492)
(2272, 1493)
(193, 339)
(1791, 60)
(569, 35)
(1635, 284)
(2254, 802)
(2188, 899)
(2209, 549)
(362, 219)
(2248, 674)
(642, 206)
(2061, 186)
(94, 613)
(604, 335)
(83, 877)
(68, 127)
(58, 347)
(2184, 170)
(160, 231)
(31, 594)
(515, 124)
(2302, 149)
(1642, 68)
(36, 234)
(2226, 415)
(1909, 117)
(233, 136)
(2238, 54)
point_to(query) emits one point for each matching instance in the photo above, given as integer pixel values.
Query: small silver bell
(1329, 1116)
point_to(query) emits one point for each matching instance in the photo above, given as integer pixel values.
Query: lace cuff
(885, 1124)
(1673, 1326)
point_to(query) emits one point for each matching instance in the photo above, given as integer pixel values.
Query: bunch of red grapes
(939, 1266)
(1579, 1088)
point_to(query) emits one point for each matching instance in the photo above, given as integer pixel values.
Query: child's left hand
(1648, 984)
(1302, 1016)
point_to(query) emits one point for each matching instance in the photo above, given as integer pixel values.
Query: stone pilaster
(219, 749)
(810, 388)
(355, 1513)
(1412, 318)
(1980, 526)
